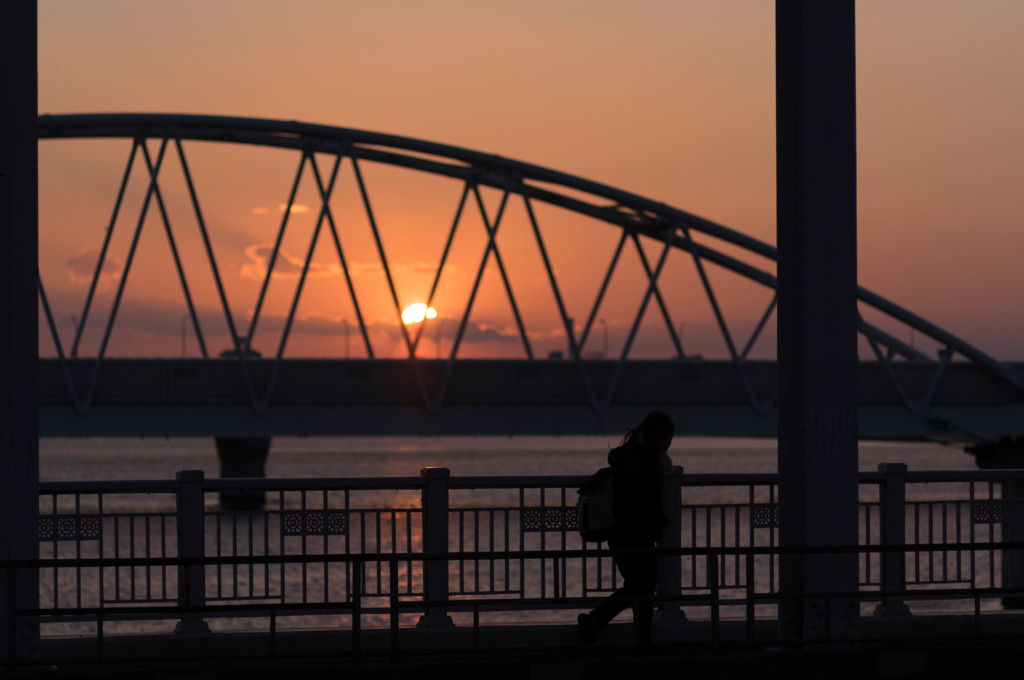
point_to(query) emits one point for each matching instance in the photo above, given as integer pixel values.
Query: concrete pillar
(243, 457)
(19, 341)
(817, 334)
(1007, 454)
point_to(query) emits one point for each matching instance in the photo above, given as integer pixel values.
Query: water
(64, 459)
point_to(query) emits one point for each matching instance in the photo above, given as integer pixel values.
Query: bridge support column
(1008, 454)
(243, 457)
(19, 338)
(816, 157)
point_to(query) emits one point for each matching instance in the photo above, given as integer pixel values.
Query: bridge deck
(196, 397)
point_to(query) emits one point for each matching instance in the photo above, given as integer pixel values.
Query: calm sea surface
(123, 458)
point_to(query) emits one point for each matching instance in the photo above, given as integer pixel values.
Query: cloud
(363, 268)
(259, 211)
(422, 268)
(375, 267)
(285, 265)
(82, 267)
(297, 208)
(485, 333)
(448, 328)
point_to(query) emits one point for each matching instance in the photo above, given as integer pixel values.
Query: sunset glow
(940, 154)
(417, 313)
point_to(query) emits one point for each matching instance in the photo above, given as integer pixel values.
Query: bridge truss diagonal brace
(152, 190)
(651, 290)
(492, 247)
(434, 404)
(760, 406)
(218, 280)
(480, 270)
(108, 235)
(80, 404)
(325, 195)
(575, 345)
(916, 406)
(260, 299)
(182, 279)
(445, 252)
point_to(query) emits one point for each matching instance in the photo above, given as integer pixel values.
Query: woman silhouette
(639, 464)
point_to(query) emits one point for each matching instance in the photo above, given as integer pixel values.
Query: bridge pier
(242, 457)
(1007, 454)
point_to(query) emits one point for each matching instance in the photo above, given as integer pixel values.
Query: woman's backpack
(595, 510)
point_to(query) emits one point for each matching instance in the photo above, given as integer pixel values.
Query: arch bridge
(549, 369)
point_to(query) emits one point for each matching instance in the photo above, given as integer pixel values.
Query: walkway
(945, 646)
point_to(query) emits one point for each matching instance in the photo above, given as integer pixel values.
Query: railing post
(894, 520)
(670, 566)
(191, 544)
(435, 540)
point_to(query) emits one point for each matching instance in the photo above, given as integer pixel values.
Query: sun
(417, 312)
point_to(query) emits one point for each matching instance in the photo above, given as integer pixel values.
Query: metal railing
(268, 645)
(435, 549)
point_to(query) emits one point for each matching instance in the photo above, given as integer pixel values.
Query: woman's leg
(618, 601)
(646, 580)
(612, 606)
(639, 569)
(642, 584)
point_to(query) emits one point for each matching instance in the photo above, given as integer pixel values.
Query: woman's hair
(657, 426)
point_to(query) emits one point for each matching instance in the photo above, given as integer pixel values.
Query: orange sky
(670, 99)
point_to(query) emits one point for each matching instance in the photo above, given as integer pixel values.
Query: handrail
(748, 596)
(469, 555)
(416, 558)
(489, 482)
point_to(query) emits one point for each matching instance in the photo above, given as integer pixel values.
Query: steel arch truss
(638, 218)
